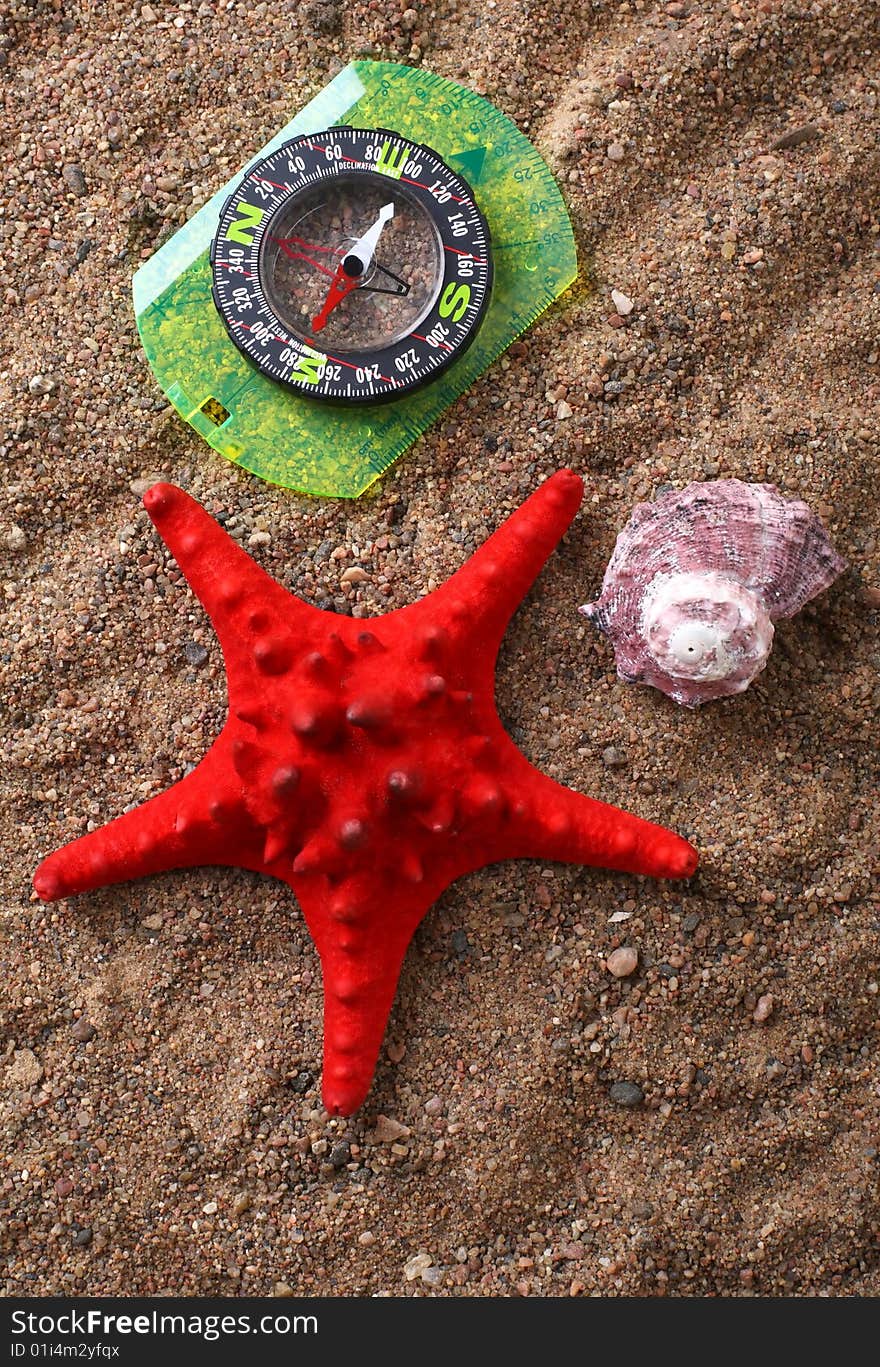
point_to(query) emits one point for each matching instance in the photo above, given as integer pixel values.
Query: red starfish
(364, 764)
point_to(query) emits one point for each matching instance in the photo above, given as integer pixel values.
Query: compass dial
(352, 265)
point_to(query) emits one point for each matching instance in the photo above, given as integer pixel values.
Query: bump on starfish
(364, 764)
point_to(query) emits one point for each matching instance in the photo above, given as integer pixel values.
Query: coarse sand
(540, 1124)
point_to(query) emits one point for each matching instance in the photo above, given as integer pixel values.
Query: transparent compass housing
(313, 233)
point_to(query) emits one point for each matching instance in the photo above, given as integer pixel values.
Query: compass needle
(352, 268)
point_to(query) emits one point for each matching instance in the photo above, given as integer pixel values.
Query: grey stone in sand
(74, 179)
(627, 1094)
(795, 136)
(195, 653)
(340, 1154)
(460, 942)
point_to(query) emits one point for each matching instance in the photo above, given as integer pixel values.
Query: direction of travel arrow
(470, 163)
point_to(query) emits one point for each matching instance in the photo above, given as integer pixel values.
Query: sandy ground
(161, 1042)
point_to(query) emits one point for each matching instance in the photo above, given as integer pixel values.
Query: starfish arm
(362, 943)
(549, 821)
(258, 622)
(186, 825)
(480, 599)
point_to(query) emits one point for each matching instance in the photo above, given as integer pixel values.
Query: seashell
(697, 580)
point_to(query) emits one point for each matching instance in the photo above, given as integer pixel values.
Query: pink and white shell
(697, 580)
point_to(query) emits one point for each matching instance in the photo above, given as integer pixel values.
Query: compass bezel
(415, 358)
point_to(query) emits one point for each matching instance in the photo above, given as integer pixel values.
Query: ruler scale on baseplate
(325, 306)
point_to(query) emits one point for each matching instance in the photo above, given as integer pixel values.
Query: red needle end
(341, 285)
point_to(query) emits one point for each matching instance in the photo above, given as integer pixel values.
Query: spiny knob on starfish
(363, 764)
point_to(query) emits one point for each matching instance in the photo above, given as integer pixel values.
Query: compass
(352, 265)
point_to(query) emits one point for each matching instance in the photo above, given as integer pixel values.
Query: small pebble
(83, 1031)
(805, 133)
(386, 1130)
(613, 758)
(615, 151)
(340, 1154)
(26, 1070)
(622, 962)
(196, 654)
(16, 540)
(74, 179)
(764, 1009)
(460, 942)
(41, 384)
(627, 1094)
(415, 1266)
(622, 303)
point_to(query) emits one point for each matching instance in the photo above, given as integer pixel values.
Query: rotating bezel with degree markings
(352, 265)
